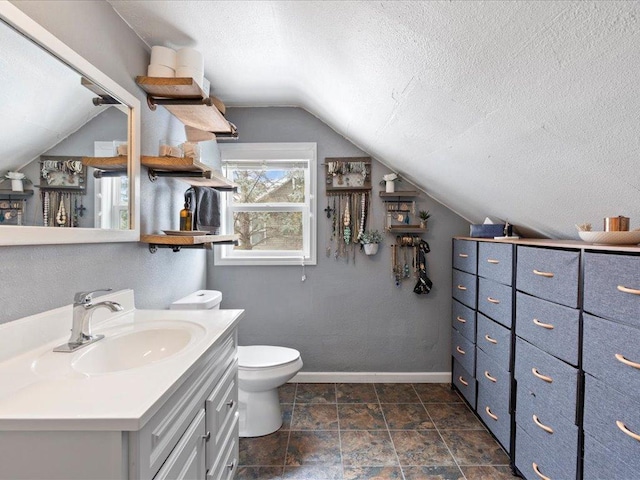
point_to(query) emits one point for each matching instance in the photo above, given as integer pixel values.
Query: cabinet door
(221, 408)
(186, 461)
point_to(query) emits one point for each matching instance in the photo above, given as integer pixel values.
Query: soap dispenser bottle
(186, 217)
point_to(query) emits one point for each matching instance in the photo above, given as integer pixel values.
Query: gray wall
(344, 317)
(38, 278)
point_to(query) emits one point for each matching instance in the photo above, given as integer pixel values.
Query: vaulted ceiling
(523, 110)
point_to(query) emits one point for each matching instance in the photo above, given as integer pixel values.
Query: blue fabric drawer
(605, 276)
(494, 339)
(611, 352)
(464, 288)
(494, 412)
(608, 413)
(465, 255)
(549, 326)
(495, 261)
(463, 350)
(465, 382)
(530, 456)
(493, 376)
(561, 391)
(495, 301)
(600, 463)
(464, 320)
(549, 274)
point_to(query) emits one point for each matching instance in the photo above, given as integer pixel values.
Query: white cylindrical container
(163, 56)
(160, 71)
(390, 186)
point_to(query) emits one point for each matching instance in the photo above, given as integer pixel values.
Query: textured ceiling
(522, 110)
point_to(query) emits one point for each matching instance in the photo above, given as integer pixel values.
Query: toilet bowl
(261, 370)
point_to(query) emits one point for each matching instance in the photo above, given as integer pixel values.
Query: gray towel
(206, 209)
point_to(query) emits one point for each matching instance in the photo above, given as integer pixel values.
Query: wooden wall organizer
(347, 174)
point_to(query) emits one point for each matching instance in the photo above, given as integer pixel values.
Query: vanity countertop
(43, 390)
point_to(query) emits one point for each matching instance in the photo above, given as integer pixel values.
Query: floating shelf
(106, 163)
(7, 194)
(186, 169)
(406, 229)
(401, 193)
(186, 100)
(176, 242)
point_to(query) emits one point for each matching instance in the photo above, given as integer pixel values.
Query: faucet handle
(84, 298)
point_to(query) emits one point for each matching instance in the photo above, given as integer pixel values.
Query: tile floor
(365, 431)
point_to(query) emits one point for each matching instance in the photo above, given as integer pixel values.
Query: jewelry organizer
(63, 181)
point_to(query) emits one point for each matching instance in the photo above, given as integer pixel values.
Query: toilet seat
(256, 357)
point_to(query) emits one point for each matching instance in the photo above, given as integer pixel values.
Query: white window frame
(272, 153)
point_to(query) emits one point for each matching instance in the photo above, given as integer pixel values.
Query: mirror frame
(27, 235)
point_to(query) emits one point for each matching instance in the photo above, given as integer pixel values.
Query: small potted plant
(370, 239)
(17, 180)
(389, 180)
(424, 216)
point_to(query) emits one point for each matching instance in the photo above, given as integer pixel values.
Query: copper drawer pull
(621, 358)
(459, 350)
(542, 426)
(463, 255)
(537, 470)
(490, 413)
(493, 379)
(461, 287)
(490, 340)
(491, 260)
(625, 430)
(540, 376)
(543, 274)
(463, 381)
(633, 291)
(537, 322)
(460, 319)
(493, 300)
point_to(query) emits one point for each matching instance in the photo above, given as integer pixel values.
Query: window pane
(268, 230)
(269, 185)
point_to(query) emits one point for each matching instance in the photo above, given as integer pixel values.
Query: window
(274, 210)
(111, 193)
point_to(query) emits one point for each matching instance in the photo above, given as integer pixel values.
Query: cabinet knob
(547, 379)
(626, 431)
(463, 381)
(460, 319)
(460, 351)
(493, 261)
(537, 470)
(206, 437)
(493, 300)
(231, 465)
(626, 361)
(490, 340)
(537, 322)
(488, 375)
(461, 287)
(544, 427)
(463, 255)
(543, 274)
(632, 291)
(231, 403)
(490, 413)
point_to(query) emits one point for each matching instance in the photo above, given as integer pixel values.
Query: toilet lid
(262, 356)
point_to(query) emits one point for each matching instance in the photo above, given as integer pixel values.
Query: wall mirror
(59, 114)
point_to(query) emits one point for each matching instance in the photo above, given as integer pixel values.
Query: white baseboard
(372, 377)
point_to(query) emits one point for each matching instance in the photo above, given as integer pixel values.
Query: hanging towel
(206, 209)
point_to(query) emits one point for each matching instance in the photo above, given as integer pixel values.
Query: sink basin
(136, 348)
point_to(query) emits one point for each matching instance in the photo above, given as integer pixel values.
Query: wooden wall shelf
(176, 242)
(401, 193)
(406, 229)
(106, 163)
(181, 167)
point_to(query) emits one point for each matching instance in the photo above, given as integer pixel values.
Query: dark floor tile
(319, 472)
(316, 393)
(488, 473)
(356, 393)
(432, 473)
(406, 416)
(314, 416)
(436, 393)
(287, 393)
(259, 473)
(474, 447)
(452, 416)
(360, 416)
(287, 410)
(421, 447)
(269, 450)
(372, 473)
(313, 448)
(396, 393)
(367, 448)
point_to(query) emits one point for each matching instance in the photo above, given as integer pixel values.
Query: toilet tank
(200, 300)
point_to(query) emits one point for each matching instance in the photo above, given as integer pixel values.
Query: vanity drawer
(465, 255)
(464, 320)
(226, 465)
(546, 378)
(464, 288)
(493, 378)
(465, 382)
(187, 459)
(601, 463)
(495, 261)
(549, 326)
(612, 286)
(222, 406)
(463, 350)
(549, 274)
(613, 418)
(611, 353)
(535, 463)
(494, 412)
(495, 340)
(495, 301)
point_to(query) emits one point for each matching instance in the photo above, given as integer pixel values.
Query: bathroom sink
(136, 348)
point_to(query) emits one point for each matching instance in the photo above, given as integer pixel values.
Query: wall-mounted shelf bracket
(153, 247)
(152, 101)
(109, 173)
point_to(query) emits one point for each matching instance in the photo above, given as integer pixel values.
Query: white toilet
(261, 370)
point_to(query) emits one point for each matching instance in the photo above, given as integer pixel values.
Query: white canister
(17, 185)
(163, 56)
(160, 71)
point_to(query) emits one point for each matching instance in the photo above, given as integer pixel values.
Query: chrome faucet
(81, 328)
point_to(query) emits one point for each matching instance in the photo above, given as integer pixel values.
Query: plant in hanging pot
(370, 239)
(424, 216)
(389, 180)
